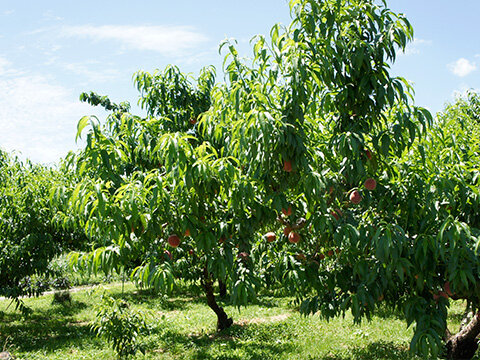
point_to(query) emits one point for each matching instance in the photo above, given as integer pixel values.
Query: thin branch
(298, 225)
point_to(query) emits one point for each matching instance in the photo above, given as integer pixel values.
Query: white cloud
(38, 118)
(413, 47)
(85, 71)
(200, 58)
(462, 67)
(167, 40)
(4, 64)
(50, 15)
(5, 69)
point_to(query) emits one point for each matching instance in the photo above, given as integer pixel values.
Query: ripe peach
(293, 237)
(173, 240)
(270, 236)
(370, 184)
(355, 197)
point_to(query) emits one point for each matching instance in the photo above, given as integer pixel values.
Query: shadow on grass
(236, 343)
(56, 333)
(271, 302)
(385, 312)
(45, 334)
(151, 299)
(380, 350)
(64, 309)
(50, 329)
(383, 350)
(55, 311)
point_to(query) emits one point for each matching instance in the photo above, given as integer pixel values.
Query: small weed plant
(121, 325)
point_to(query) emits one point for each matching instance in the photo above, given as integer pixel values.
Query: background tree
(30, 236)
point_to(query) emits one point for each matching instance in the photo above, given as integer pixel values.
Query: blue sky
(51, 51)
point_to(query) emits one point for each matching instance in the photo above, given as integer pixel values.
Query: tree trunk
(463, 345)
(223, 321)
(222, 288)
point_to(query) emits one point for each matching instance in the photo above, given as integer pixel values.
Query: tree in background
(29, 234)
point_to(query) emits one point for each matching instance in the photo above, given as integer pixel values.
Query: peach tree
(211, 167)
(311, 142)
(29, 233)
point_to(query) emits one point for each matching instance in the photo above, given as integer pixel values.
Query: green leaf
(81, 125)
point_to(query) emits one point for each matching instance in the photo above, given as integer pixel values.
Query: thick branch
(447, 336)
(472, 329)
(463, 345)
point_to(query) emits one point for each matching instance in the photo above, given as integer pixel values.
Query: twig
(298, 225)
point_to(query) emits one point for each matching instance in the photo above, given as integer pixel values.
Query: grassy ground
(182, 327)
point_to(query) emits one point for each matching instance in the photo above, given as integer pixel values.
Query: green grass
(183, 327)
